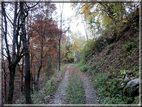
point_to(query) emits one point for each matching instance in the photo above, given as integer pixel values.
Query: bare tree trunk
(85, 27)
(41, 56)
(86, 32)
(5, 74)
(12, 68)
(12, 64)
(27, 56)
(59, 55)
(11, 84)
(60, 37)
(31, 73)
(22, 75)
(15, 56)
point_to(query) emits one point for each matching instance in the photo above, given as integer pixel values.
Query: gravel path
(90, 93)
(60, 93)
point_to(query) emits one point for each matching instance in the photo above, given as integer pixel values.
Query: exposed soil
(90, 93)
(60, 93)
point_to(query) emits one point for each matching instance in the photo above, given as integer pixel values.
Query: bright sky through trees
(70, 18)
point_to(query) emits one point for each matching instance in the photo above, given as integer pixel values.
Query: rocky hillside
(112, 61)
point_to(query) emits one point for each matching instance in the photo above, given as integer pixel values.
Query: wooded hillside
(112, 59)
(40, 52)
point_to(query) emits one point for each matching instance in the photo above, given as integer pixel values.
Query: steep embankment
(113, 64)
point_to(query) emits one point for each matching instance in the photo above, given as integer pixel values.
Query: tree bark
(5, 74)
(85, 27)
(16, 53)
(22, 75)
(12, 64)
(11, 84)
(13, 67)
(40, 64)
(27, 56)
(60, 37)
(59, 55)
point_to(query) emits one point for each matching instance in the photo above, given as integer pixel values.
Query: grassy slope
(47, 88)
(105, 66)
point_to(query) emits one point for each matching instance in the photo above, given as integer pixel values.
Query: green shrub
(110, 90)
(90, 63)
(92, 47)
(81, 62)
(89, 71)
(83, 68)
(128, 46)
(96, 70)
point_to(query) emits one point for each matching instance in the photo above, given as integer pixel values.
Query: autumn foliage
(42, 35)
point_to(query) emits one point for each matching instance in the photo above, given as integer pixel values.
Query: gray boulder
(132, 88)
(133, 82)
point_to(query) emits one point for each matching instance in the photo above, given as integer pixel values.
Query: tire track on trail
(59, 95)
(90, 93)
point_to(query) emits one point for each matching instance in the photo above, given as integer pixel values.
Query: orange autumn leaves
(44, 40)
(44, 33)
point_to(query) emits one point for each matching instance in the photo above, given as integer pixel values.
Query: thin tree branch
(3, 54)
(33, 5)
(5, 33)
(9, 19)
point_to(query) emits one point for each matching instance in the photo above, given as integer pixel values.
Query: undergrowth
(75, 91)
(128, 46)
(83, 68)
(107, 60)
(110, 90)
(47, 89)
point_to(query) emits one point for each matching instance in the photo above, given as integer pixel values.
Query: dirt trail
(60, 93)
(90, 93)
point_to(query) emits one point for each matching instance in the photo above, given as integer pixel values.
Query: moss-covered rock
(132, 87)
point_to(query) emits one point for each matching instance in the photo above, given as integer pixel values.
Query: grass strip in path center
(75, 92)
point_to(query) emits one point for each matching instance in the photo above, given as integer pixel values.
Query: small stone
(136, 97)
(40, 101)
(126, 79)
(122, 84)
(46, 97)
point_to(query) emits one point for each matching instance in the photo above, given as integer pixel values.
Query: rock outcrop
(132, 88)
